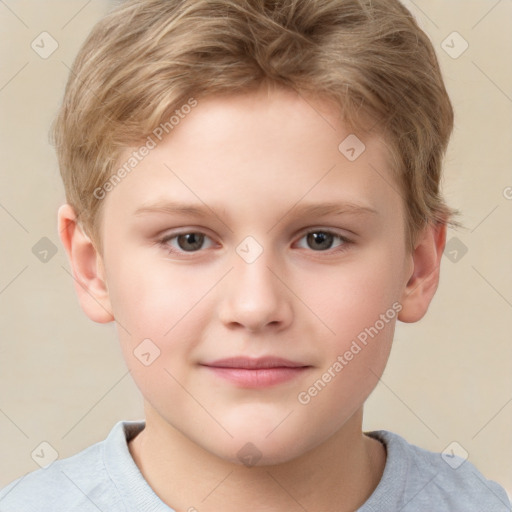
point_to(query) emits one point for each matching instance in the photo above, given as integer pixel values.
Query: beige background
(449, 378)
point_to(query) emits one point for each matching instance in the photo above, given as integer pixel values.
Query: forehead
(276, 148)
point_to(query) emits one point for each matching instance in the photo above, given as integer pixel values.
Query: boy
(296, 145)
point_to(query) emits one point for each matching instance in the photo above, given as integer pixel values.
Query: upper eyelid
(301, 232)
(331, 231)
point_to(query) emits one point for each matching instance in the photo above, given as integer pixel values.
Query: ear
(87, 266)
(422, 284)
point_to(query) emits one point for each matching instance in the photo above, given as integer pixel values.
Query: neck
(338, 475)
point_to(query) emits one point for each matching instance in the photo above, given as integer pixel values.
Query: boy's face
(268, 274)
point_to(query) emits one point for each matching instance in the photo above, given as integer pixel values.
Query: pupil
(323, 240)
(190, 241)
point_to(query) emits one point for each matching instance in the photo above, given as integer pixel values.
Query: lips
(248, 363)
(256, 372)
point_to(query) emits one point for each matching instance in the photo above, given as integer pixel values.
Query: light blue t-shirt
(105, 478)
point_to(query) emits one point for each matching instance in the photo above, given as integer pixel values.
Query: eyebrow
(175, 208)
(312, 209)
(340, 208)
(308, 209)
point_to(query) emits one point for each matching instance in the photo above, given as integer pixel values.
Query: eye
(186, 242)
(192, 242)
(319, 240)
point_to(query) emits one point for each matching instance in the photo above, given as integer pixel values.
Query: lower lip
(258, 377)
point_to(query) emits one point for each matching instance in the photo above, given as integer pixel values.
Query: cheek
(148, 307)
(149, 297)
(362, 318)
(158, 327)
(352, 296)
(357, 303)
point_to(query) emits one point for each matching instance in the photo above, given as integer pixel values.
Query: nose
(255, 298)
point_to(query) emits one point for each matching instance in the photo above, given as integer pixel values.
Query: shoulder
(66, 484)
(416, 479)
(81, 483)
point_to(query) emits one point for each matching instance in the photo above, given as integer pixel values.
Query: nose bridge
(254, 296)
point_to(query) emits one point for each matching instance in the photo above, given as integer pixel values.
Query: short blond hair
(148, 58)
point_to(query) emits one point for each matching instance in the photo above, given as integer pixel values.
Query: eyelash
(164, 242)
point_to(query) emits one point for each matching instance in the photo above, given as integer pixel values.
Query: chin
(264, 436)
(259, 451)
(253, 455)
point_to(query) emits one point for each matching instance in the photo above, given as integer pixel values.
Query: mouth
(256, 372)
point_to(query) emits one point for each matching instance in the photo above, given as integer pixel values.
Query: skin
(253, 160)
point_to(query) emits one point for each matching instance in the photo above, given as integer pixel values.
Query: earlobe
(87, 267)
(423, 282)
